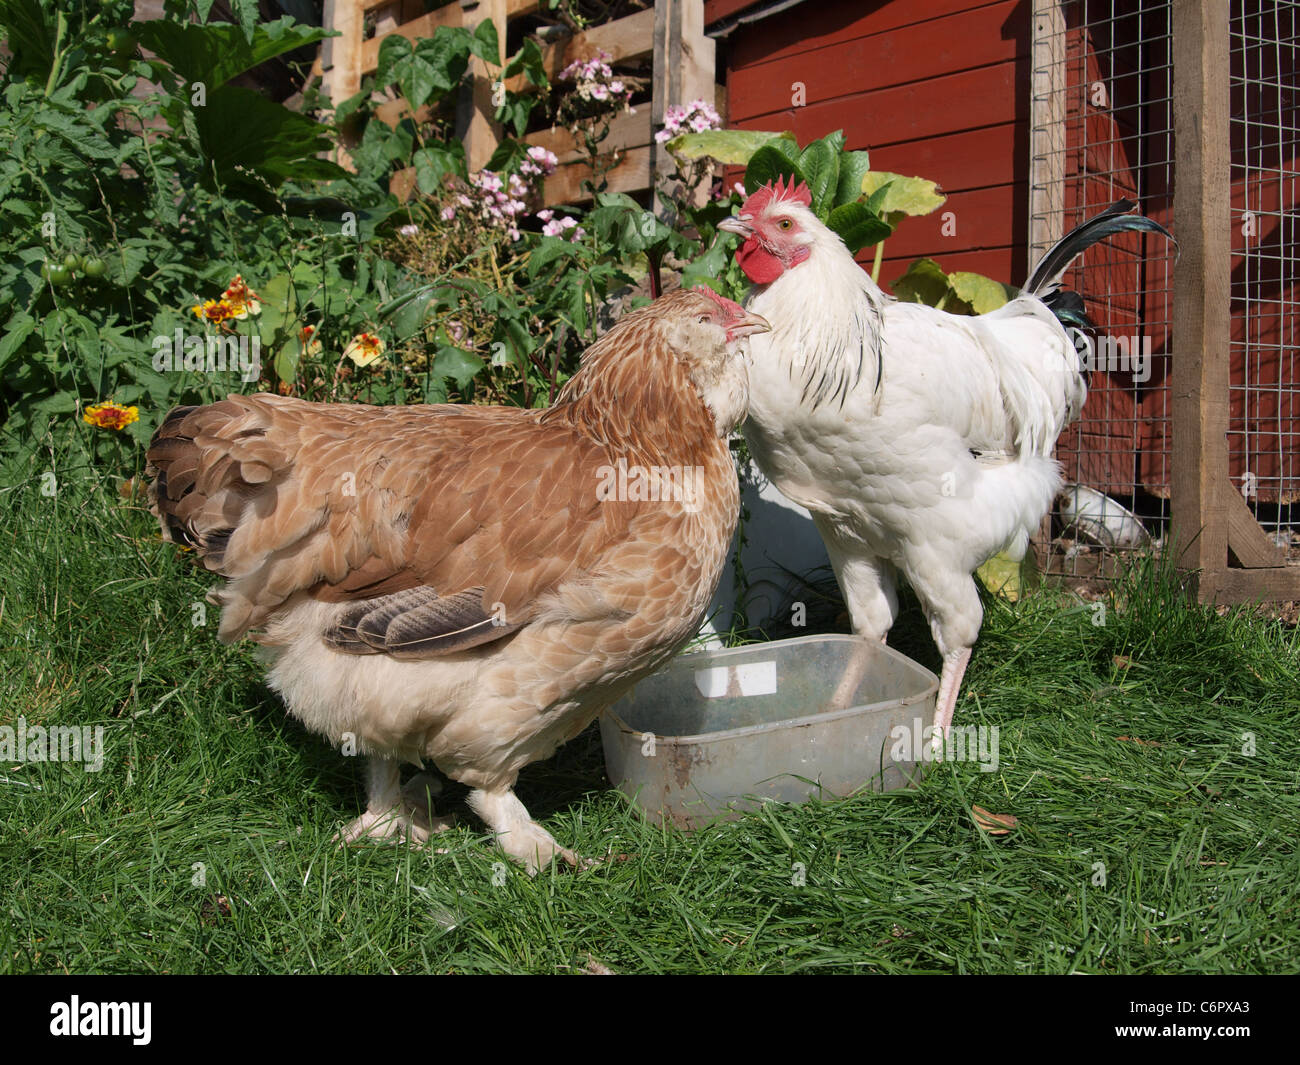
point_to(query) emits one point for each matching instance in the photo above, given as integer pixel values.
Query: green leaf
(767, 165)
(857, 226)
(430, 67)
(529, 62)
(485, 44)
(508, 155)
(854, 167)
(29, 27)
(459, 365)
(732, 146)
(287, 359)
(17, 330)
(548, 250)
(432, 163)
(982, 293)
(705, 269)
(219, 51)
(408, 321)
(245, 136)
(820, 163)
(925, 282)
(906, 195)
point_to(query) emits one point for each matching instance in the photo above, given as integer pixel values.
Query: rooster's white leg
(954, 668)
(952, 604)
(522, 838)
(385, 814)
(868, 584)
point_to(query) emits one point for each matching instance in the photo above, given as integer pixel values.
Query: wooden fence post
(1202, 306)
(683, 71)
(481, 133)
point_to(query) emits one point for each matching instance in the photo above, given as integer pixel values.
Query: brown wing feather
(353, 502)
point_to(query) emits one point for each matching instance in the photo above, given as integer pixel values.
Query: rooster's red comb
(761, 198)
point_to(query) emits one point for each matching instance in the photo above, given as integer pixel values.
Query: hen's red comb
(732, 309)
(784, 189)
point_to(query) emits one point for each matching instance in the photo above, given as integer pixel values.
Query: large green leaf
(459, 365)
(731, 146)
(705, 269)
(854, 167)
(408, 320)
(820, 163)
(424, 69)
(219, 51)
(857, 226)
(241, 132)
(436, 161)
(925, 282)
(529, 62)
(29, 32)
(905, 195)
(982, 293)
(484, 42)
(768, 164)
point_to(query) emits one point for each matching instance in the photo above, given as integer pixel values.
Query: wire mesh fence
(1102, 130)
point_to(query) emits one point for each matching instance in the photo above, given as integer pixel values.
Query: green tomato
(60, 277)
(121, 43)
(94, 267)
(72, 262)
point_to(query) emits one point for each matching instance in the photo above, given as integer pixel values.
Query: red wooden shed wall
(933, 88)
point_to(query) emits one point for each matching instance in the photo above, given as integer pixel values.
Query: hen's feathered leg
(386, 815)
(522, 838)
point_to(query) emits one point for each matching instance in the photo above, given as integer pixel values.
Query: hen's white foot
(522, 838)
(393, 811)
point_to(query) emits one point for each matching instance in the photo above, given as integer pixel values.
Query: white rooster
(920, 441)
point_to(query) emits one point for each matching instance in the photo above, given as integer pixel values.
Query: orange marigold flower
(242, 300)
(110, 416)
(214, 311)
(364, 349)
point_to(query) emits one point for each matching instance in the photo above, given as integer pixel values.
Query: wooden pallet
(672, 32)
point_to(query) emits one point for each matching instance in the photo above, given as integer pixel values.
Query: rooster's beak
(737, 226)
(749, 323)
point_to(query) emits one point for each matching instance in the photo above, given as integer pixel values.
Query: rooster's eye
(704, 319)
(785, 223)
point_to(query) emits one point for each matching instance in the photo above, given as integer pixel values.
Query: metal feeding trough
(718, 732)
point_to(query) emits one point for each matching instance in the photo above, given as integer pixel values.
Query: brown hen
(471, 586)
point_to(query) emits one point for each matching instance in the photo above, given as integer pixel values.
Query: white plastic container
(717, 732)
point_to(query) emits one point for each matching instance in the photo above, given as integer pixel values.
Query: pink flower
(448, 214)
(408, 230)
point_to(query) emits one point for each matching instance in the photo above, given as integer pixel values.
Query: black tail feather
(1114, 219)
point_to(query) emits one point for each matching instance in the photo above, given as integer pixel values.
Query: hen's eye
(785, 223)
(704, 319)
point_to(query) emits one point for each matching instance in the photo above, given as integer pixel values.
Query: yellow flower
(364, 349)
(214, 311)
(110, 416)
(241, 299)
(309, 345)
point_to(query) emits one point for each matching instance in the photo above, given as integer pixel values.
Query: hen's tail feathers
(203, 473)
(1114, 219)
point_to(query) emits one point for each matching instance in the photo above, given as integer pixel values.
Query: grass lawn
(1149, 840)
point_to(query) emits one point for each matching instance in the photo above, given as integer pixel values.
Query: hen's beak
(748, 323)
(736, 225)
